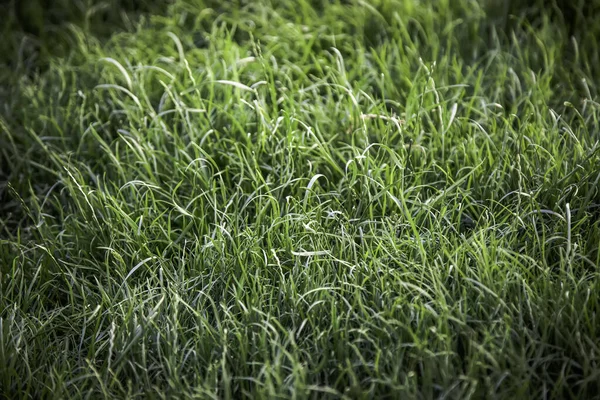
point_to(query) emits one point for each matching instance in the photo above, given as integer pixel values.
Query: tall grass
(277, 199)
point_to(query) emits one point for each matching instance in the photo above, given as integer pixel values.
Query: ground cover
(300, 199)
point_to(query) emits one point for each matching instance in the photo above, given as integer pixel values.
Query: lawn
(300, 199)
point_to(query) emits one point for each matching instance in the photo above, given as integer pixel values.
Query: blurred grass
(34, 31)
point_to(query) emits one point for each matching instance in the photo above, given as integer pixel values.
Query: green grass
(301, 199)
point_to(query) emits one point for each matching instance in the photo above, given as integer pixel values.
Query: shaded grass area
(305, 199)
(36, 30)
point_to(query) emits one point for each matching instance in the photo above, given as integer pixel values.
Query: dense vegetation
(299, 199)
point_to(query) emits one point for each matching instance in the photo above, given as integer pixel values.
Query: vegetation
(300, 199)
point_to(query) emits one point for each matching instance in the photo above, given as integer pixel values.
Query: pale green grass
(390, 199)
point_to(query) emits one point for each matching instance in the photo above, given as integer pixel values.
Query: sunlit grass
(283, 200)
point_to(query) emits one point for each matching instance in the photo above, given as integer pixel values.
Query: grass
(277, 199)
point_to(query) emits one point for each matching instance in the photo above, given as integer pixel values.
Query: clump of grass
(301, 200)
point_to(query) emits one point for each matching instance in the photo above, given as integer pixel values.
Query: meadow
(300, 199)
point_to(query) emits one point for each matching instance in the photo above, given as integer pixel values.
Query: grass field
(300, 199)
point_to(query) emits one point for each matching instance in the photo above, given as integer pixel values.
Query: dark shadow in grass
(574, 15)
(35, 31)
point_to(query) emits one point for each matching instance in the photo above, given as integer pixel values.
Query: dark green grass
(277, 199)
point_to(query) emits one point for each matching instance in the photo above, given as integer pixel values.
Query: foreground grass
(290, 200)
